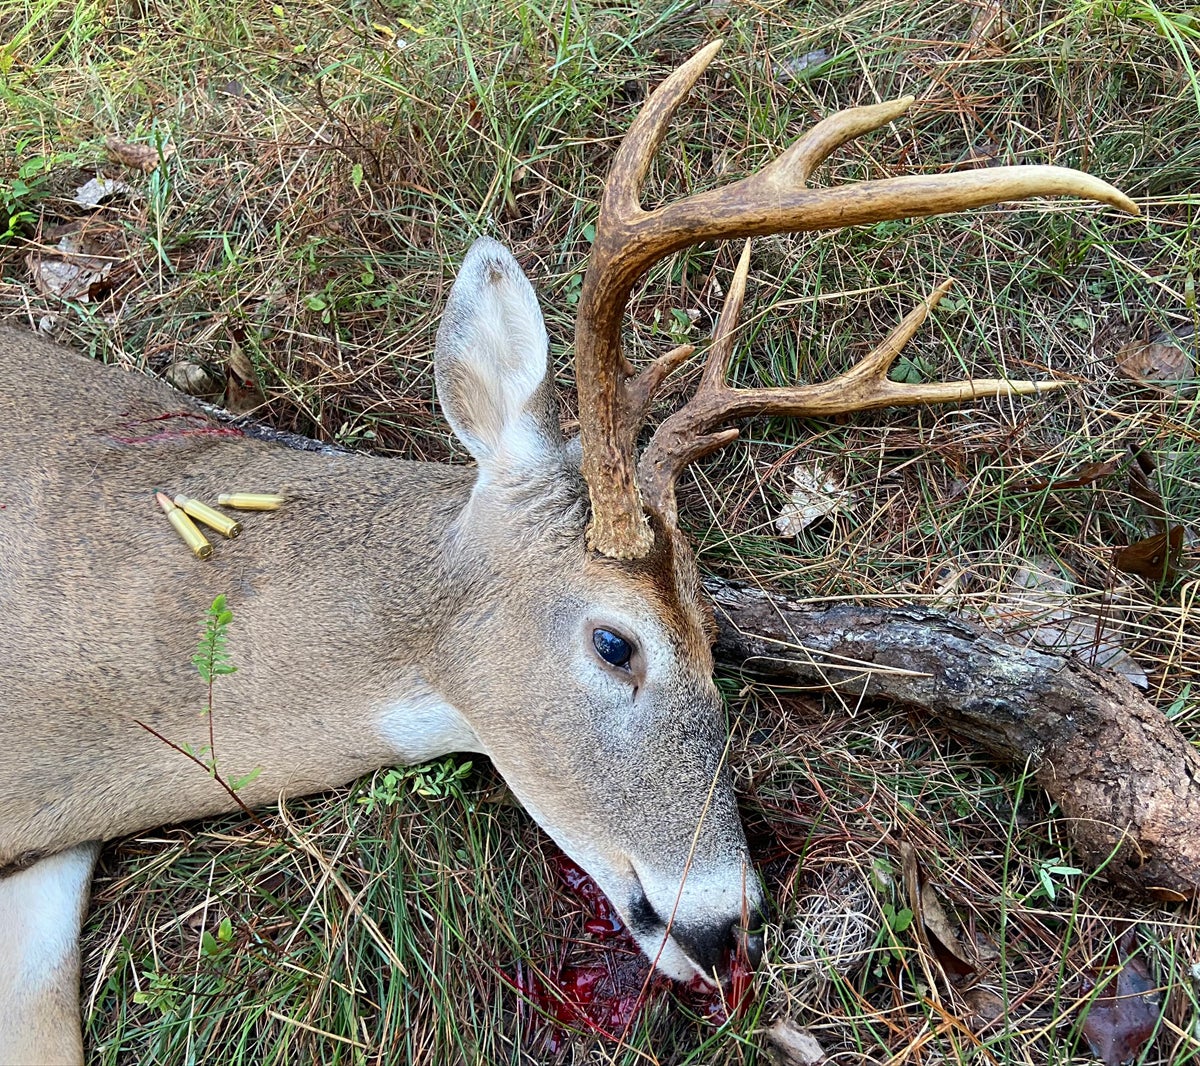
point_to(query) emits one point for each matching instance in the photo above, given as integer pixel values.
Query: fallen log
(1124, 776)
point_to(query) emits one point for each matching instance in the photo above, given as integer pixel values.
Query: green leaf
(1047, 882)
(910, 371)
(241, 782)
(225, 931)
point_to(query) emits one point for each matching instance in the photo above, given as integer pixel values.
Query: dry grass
(325, 182)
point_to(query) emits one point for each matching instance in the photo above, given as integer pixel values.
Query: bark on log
(1125, 777)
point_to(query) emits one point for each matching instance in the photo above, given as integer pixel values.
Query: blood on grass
(608, 980)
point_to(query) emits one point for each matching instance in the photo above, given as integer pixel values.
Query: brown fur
(102, 604)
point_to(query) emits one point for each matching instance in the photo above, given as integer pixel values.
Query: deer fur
(391, 612)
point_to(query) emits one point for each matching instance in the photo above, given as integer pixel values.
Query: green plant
(212, 661)
(1050, 872)
(21, 193)
(216, 945)
(436, 780)
(159, 992)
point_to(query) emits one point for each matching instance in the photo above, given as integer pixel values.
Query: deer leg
(41, 910)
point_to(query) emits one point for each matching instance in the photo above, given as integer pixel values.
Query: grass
(331, 164)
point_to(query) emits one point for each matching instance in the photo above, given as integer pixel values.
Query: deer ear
(490, 364)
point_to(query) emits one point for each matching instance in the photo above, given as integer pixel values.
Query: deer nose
(712, 947)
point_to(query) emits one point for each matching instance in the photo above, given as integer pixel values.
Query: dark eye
(611, 648)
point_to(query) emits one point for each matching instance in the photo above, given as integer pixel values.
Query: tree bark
(1124, 776)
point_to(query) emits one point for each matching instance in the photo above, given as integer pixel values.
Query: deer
(540, 606)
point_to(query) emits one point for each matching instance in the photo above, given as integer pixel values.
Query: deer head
(627, 769)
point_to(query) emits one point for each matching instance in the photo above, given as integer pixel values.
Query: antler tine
(630, 239)
(690, 433)
(684, 436)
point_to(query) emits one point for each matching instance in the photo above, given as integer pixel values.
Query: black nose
(713, 947)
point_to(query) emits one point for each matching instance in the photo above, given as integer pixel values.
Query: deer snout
(712, 947)
(709, 944)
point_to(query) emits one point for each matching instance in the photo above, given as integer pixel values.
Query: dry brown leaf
(1155, 558)
(1167, 359)
(239, 364)
(933, 927)
(943, 936)
(69, 271)
(816, 494)
(143, 157)
(990, 27)
(240, 399)
(242, 394)
(1122, 1018)
(1080, 477)
(985, 1008)
(1141, 488)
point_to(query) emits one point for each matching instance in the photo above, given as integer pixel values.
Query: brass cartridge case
(250, 501)
(201, 512)
(185, 527)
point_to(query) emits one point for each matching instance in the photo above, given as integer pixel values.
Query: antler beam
(629, 240)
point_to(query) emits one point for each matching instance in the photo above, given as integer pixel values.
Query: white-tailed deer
(539, 607)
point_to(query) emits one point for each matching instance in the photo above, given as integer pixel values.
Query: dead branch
(1124, 776)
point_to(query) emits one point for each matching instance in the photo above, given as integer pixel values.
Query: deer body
(102, 608)
(390, 612)
(539, 607)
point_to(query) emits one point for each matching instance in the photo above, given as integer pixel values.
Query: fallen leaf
(1040, 604)
(817, 494)
(1156, 558)
(985, 1008)
(799, 69)
(239, 364)
(990, 27)
(143, 157)
(933, 927)
(943, 936)
(68, 271)
(99, 189)
(241, 399)
(1080, 477)
(191, 378)
(1167, 359)
(787, 1044)
(1141, 488)
(1119, 1021)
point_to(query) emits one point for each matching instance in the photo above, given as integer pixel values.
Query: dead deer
(539, 607)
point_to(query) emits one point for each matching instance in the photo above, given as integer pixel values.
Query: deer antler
(613, 400)
(688, 434)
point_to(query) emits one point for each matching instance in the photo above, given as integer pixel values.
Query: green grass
(324, 184)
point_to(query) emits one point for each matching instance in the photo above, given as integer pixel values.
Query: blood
(204, 429)
(607, 981)
(604, 921)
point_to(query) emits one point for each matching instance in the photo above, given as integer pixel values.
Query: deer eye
(614, 650)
